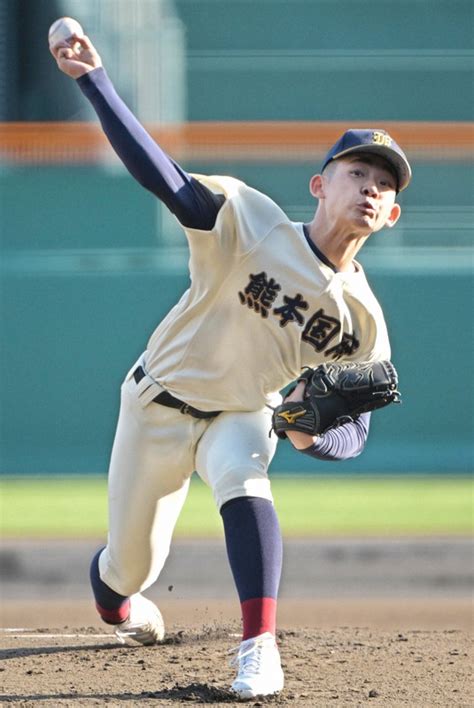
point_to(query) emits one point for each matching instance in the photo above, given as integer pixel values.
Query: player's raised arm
(194, 204)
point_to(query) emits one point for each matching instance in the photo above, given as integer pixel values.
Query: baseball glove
(335, 394)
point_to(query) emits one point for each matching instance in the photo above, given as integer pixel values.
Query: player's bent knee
(125, 585)
(236, 483)
(128, 575)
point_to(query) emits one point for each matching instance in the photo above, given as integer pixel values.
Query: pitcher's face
(358, 193)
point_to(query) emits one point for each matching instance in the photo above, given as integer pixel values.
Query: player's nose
(370, 189)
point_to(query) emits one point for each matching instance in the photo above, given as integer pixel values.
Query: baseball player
(268, 297)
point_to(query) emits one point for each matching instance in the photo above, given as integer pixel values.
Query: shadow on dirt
(208, 632)
(18, 652)
(200, 693)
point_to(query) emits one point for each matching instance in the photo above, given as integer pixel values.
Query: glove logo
(291, 416)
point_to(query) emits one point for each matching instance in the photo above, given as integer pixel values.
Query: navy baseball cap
(376, 141)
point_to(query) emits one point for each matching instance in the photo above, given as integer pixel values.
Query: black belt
(166, 399)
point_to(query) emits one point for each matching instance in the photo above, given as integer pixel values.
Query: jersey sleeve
(246, 217)
(341, 443)
(192, 202)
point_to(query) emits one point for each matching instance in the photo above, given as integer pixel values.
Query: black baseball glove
(335, 394)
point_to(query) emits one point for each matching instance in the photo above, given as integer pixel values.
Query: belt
(166, 399)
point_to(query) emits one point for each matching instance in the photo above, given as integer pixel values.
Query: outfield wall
(90, 262)
(85, 279)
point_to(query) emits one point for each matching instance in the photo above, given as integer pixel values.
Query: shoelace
(250, 662)
(137, 629)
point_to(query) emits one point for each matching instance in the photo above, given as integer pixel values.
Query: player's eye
(357, 173)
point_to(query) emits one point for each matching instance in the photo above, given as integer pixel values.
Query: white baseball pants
(156, 450)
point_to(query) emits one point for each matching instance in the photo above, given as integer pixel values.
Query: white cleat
(260, 672)
(144, 624)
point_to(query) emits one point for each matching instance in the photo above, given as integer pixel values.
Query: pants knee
(241, 482)
(127, 573)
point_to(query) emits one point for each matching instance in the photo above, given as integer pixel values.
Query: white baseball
(63, 29)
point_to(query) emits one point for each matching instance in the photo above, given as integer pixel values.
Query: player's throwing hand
(76, 57)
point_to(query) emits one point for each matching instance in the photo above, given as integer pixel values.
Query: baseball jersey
(261, 306)
(263, 301)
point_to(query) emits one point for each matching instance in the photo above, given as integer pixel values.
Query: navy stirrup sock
(254, 549)
(112, 607)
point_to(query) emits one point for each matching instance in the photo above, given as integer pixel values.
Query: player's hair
(329, 169)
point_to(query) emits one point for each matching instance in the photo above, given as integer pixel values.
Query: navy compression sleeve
(341, 443)
(193, 204)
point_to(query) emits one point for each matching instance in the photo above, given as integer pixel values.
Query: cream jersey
(260, 307)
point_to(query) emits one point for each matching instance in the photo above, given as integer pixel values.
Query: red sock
(259, 616)
(116, 616)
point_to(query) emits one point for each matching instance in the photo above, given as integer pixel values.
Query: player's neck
(339, 247)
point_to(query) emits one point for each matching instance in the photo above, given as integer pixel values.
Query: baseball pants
(155, 452)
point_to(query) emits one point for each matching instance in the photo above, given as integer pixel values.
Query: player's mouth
(367, 208)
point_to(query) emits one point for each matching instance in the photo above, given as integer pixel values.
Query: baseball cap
(373, 140)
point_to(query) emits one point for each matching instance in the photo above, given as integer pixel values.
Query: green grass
(77, 507)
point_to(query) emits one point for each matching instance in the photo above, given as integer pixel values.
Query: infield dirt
(361, 623)
(343, 666)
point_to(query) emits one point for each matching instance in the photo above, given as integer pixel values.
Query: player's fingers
(297, 394)
(84, 48)
(84, 41)
(65, 53)
(54, 48)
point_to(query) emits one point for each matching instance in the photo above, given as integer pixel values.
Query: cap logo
(381, 138)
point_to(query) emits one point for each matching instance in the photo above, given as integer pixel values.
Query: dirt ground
(350, 653)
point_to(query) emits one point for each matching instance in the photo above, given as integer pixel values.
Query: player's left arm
(339, 443)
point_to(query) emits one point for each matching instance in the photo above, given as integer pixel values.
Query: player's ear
(316, 186)
(394, 216)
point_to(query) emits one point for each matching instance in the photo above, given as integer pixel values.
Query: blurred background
(90, 263)
(254, 88)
